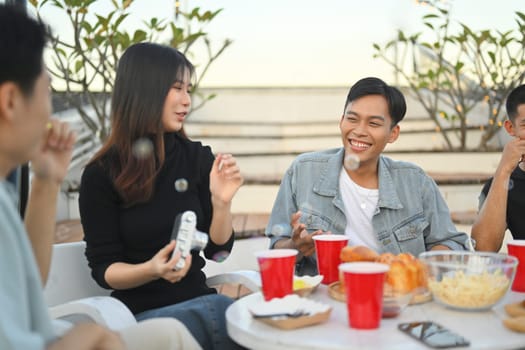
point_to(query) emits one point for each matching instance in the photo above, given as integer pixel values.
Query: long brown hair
(145, 74)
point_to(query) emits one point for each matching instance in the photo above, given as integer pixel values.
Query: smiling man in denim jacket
(387, 205)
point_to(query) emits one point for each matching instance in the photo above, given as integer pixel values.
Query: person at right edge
(502, 199)
(386, 205)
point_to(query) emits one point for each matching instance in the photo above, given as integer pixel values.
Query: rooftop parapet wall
(266, 128)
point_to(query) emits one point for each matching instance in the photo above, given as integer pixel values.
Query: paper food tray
(297, 322)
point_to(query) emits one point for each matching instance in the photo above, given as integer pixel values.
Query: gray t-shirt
(24, 322)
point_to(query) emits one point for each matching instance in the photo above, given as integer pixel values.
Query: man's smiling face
(366, 128)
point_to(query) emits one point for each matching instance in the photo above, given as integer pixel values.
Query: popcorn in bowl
(468, 280)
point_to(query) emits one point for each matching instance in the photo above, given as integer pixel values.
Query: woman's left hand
(164, 262)
(225, 178)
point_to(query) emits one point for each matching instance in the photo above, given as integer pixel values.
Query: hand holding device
(187, 236)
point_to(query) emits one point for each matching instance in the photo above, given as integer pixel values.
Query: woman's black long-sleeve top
(115, 233)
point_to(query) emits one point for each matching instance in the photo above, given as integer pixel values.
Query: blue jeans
(204, 317)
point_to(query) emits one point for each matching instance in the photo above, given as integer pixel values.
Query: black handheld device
(433, 334)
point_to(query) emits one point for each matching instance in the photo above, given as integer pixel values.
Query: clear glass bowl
(394, 303)
(468, 280)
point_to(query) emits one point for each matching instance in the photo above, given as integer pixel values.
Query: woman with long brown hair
(145, 174)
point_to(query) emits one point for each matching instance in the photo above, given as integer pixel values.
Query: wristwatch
(470, 244)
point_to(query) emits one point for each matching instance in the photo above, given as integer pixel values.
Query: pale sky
(307, 42)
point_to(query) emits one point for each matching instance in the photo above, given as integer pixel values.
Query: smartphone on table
(433, 334)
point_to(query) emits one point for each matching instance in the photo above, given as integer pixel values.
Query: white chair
(73, 295)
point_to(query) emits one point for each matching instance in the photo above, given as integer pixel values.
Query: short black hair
(374, 86)
(22, 42)
(515, 98)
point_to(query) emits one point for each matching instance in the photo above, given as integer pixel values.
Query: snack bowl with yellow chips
(469, 281)
(305, 285)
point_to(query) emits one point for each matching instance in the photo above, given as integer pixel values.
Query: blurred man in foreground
(28, 134)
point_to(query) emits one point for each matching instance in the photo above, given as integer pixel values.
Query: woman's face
(177, 104)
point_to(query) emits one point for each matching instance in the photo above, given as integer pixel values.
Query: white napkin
(289, 304)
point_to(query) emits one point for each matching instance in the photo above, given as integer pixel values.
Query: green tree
(85, 64)
(451, 73)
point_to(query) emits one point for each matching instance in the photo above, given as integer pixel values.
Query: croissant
(406, 272)
(358, 253)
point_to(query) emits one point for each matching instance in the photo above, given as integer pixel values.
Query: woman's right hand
(163, 264)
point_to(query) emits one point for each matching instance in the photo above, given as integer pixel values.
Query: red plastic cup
(517, 248)
(364, 283)
(277, 268)
(328, 251)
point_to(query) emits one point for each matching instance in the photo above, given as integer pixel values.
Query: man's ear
(9, 94)
(394, 134)
(507, 124)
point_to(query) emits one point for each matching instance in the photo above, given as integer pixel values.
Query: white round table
(483, 329)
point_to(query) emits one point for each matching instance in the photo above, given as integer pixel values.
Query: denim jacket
(411, 215)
